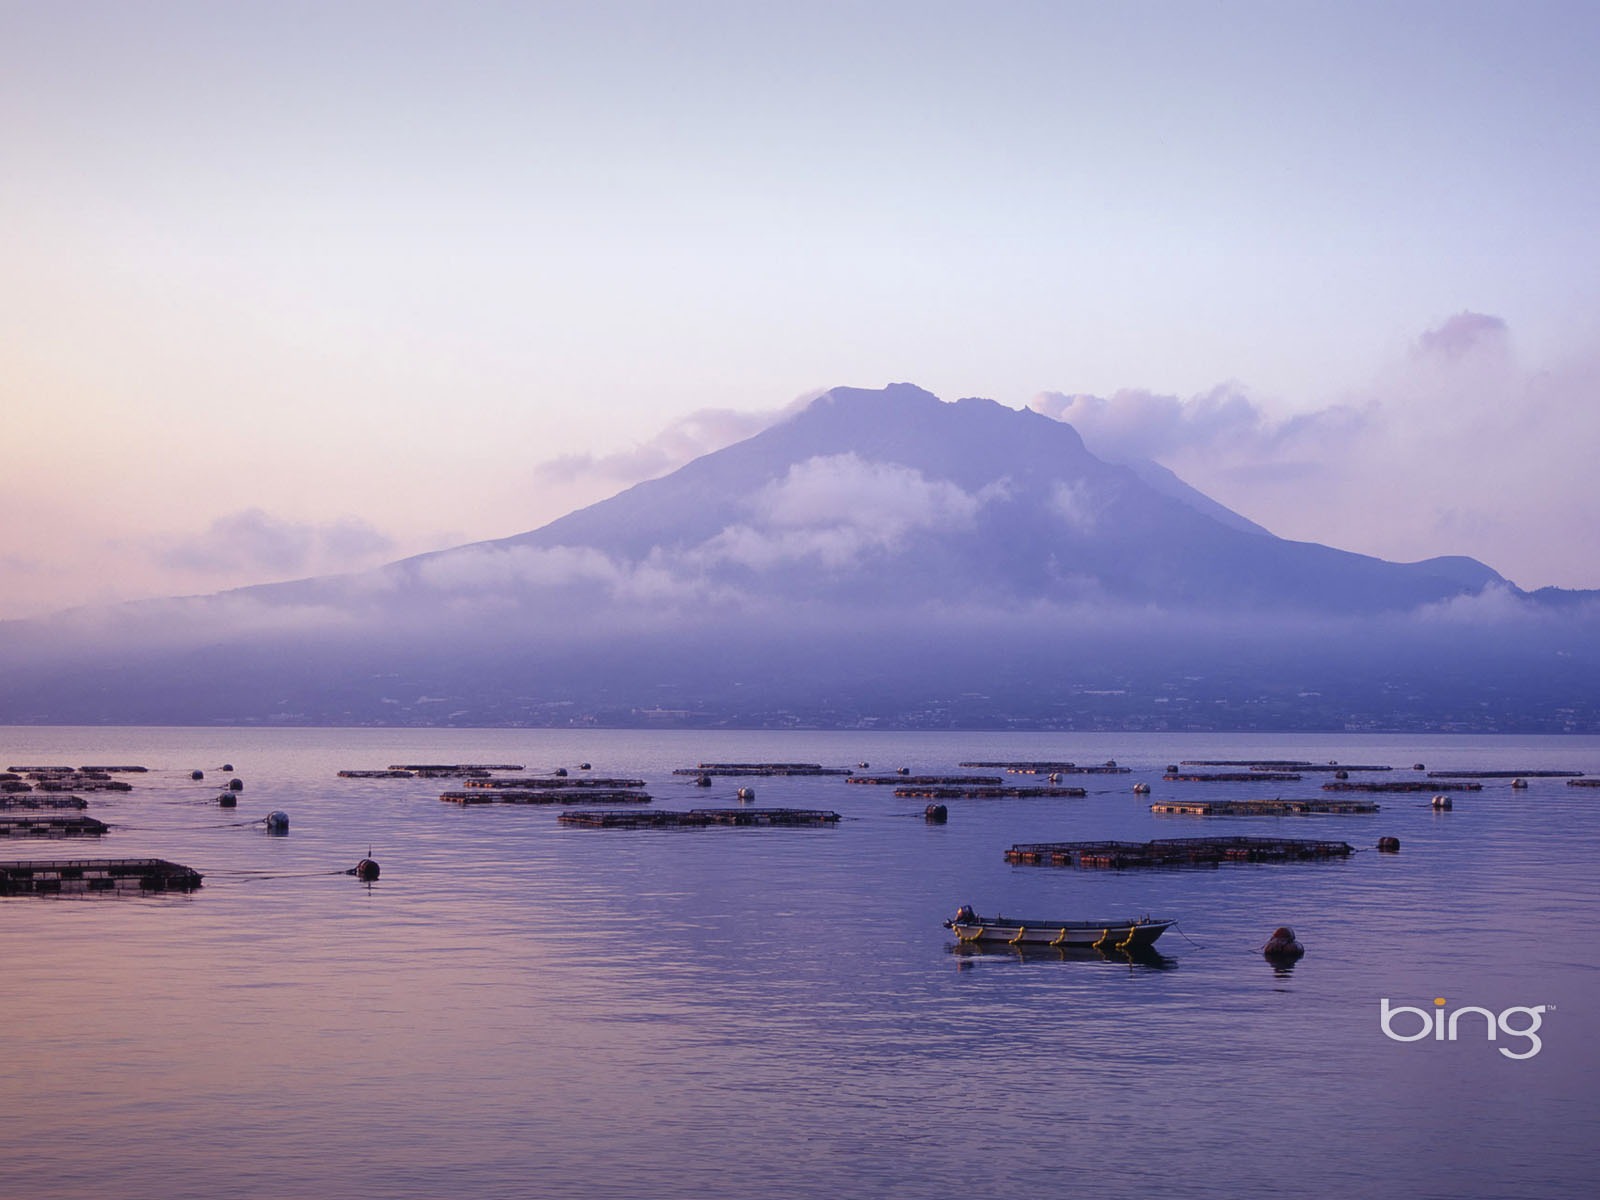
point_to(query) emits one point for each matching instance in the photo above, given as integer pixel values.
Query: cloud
(1495, 606)
(503, 576)
(253, 541)
(1464, 333)
(496, 568)
(835, 509)
(885, 498)
(1456, 447)
(1133, 423)
(1074, 504)
(179, 622)
(701, 432)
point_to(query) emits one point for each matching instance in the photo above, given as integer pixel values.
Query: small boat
(1125, 934)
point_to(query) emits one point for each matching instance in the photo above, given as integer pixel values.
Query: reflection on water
(515, 1008)
(1147, 957)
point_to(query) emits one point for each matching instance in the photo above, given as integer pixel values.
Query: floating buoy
(228, 800)
(702, 781)
(1172, 768)
(1055, 777)
(1418, 767)
(1341, 774)
(1519, 783)
(1442, 803)
(197, 774)
(561, 772)
(366, 870)
(226, 767)
(277, 822)
(236, 785)
(583, 766)
(1282, 944)
(936, 814)
(1389, 845)
(863, 766)
(1141, 789)
(747, 793)
(903, 771)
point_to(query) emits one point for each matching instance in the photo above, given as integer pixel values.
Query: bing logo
(1417, 1024)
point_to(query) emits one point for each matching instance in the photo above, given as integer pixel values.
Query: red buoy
(1282, 944)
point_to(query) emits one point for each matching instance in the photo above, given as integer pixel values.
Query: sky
(299, 288)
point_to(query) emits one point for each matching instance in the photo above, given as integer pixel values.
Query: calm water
(517, 1009)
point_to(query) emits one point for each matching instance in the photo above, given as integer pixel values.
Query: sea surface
(520, 1009)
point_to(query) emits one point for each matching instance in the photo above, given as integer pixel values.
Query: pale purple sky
(293, 288)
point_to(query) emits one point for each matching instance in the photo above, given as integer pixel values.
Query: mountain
(878, 556)
(873, 497)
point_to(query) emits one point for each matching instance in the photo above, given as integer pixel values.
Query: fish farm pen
(1592, 781)
(1405, 785)
(52, 826)
(534, 782)
(762, 769)
(1262, 808)
(702, 818)
(79, 782)
(1023, 767)
(96, 875)
(455, 768)
(1279, 764)
(1504, 774)
(14, 801)
(548, 796)
(929, 780)
(1049, 768)
(1173, 852)
(987, 793)
(1232, 777)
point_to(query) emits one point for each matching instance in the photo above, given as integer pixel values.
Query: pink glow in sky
(302, 288)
